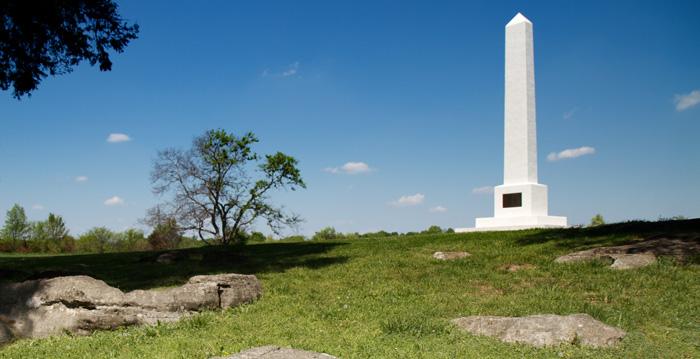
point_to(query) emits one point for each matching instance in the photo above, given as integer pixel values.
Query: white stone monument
(520, 202)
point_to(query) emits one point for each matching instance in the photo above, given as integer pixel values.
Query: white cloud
(483, 190)
(114, 201)
(569, 114)
(438, 209)
(570, 153)
(38, 207)
(350, 168)
(118, 137)
(291, 70)
(684, 102)
(81, 179)
(405, 201)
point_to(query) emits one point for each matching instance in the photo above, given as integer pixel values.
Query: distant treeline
(51, 236)
(329, 233)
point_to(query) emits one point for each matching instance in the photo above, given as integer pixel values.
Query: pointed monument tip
(517, 19)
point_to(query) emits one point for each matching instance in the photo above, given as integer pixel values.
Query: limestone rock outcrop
(275, 352)
(544, 330)
(639, 254)
(82, 304)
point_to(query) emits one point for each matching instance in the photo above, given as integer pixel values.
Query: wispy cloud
(349, 168)
(405, 201)
(437, 209)
(38, 207)
(81, 179)
(483, 190)
(114, 201)
(570, 153)
(291, 70)
(686, 101)
(569, 114)
(118, 137)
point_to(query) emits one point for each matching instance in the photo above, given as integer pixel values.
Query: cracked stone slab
(447, 256)
(638, 254)
(275, 352)
(82, 304)
(544, 330)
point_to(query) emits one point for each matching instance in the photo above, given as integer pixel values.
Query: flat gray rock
(544, 330)
(447, 256)
(631, 261)
(275, 352)
(81, 304)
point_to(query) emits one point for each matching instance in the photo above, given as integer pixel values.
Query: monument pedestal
(518, 206)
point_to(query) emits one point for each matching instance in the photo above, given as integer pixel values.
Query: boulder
(447, 256)
(170, 257)
(638, 254)
(81, 304)
(275, 352)
(544, 330)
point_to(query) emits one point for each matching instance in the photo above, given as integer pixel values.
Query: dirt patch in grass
(485, 289)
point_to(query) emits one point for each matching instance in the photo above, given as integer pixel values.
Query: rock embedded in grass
(518, 267)
(544, 330)
(170, 257)
(447, 256)
(638, 254)
(275, 352)
(82, 304)
(631, 261)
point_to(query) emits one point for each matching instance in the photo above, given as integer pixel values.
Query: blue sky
(412, 90)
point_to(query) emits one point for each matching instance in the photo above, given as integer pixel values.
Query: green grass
(387, 298)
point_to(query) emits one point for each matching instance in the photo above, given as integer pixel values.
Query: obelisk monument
(520, 202)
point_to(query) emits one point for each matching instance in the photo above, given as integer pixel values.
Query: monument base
(515, 223)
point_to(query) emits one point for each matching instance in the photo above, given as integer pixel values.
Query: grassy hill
(388, 298)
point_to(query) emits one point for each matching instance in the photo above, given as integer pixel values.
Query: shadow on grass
(140, 270)
(615, 234)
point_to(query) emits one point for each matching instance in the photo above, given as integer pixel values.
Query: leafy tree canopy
(50, 37)
(17, 227)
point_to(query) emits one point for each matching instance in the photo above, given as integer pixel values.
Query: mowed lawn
(388, 298)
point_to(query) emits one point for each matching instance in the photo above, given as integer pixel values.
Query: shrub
(432, 230)
(165, 235)
(96, 240)
(327, 233)
(131, 240)
(294, 238)
(597, 220)
(256, 237)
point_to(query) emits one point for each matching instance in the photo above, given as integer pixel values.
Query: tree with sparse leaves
(39, 38)
(220, 187)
